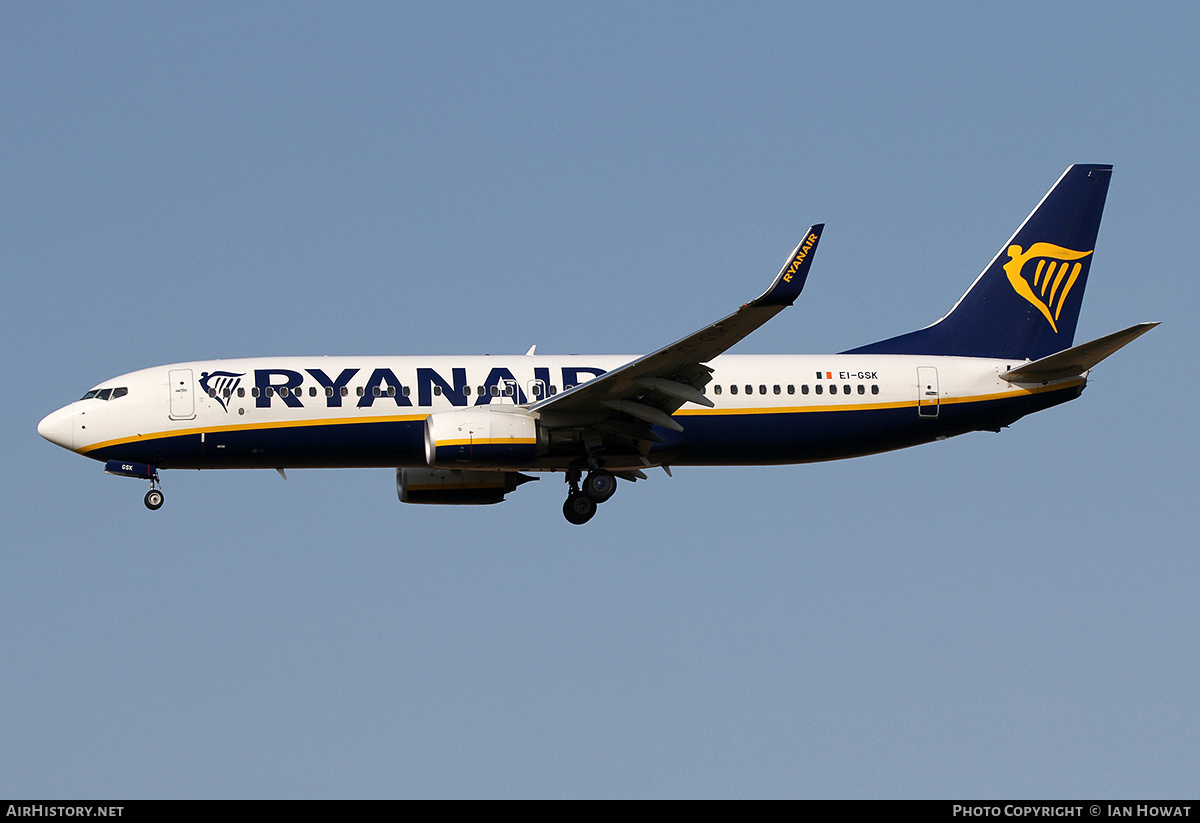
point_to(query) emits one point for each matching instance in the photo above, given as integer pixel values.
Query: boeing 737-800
(464, 430)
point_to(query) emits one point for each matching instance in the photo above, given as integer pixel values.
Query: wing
(623, 404)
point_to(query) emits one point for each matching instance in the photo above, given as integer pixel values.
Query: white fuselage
(295, 412)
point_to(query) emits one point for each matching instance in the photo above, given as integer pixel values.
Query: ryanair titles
(798, 259)
(294, 389)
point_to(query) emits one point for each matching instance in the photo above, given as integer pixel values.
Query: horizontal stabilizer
(1075, 360)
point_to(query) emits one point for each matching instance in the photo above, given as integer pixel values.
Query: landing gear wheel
(579, 508)
(600, 485)
(154, 500)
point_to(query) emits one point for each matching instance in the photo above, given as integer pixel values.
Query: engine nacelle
(456, 488)
(480, 438)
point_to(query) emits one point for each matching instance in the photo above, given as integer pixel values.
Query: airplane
(466, 430)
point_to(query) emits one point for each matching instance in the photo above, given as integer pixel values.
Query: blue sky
(996, 615)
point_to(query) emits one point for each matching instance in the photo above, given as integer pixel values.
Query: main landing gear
(598, 486)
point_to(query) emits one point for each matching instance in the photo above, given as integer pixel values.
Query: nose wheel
(154, 497)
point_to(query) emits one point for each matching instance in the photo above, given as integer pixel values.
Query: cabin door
(183, 397)
(927, 391)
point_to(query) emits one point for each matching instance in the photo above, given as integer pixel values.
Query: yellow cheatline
(878, 406)
(493, 441)
(274, 424)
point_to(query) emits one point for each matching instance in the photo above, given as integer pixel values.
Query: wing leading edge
(650, 388)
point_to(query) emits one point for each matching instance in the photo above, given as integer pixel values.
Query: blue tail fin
(1026, 303)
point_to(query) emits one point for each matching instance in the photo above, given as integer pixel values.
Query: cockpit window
(106, 394)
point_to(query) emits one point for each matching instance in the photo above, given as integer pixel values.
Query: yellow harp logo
(1053, 276)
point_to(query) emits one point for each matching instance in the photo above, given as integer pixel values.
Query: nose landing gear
(598, 486)
(153, 499)
(142, 471)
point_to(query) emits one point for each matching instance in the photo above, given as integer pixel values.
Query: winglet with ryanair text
(790, 282)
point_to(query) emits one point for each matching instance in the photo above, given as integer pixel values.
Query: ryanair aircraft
(464, 430)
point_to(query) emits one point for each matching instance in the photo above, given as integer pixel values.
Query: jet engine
(480, 438)
(455, 487)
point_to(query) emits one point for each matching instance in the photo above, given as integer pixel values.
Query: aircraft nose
(58, 427)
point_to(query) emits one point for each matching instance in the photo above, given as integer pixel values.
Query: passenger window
(466, 391)
(874, 389)
(749, 389)
(846, 389)
(283, 391)
(791, 388)
(269, 391)
(733, 388)
(495, 391)
(254, 392)
(225, 392)
(832, 388)
(329, 390)
(375, 390)
(391, 391)
(345, 391)
(437, 390)
(818, 388)
(553, 390)
(242, 392)
(361, 392)
(862, 389)
(777, 389)
(716, 389)
(312, 391)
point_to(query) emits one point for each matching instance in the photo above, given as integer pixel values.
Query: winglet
(788, 284)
